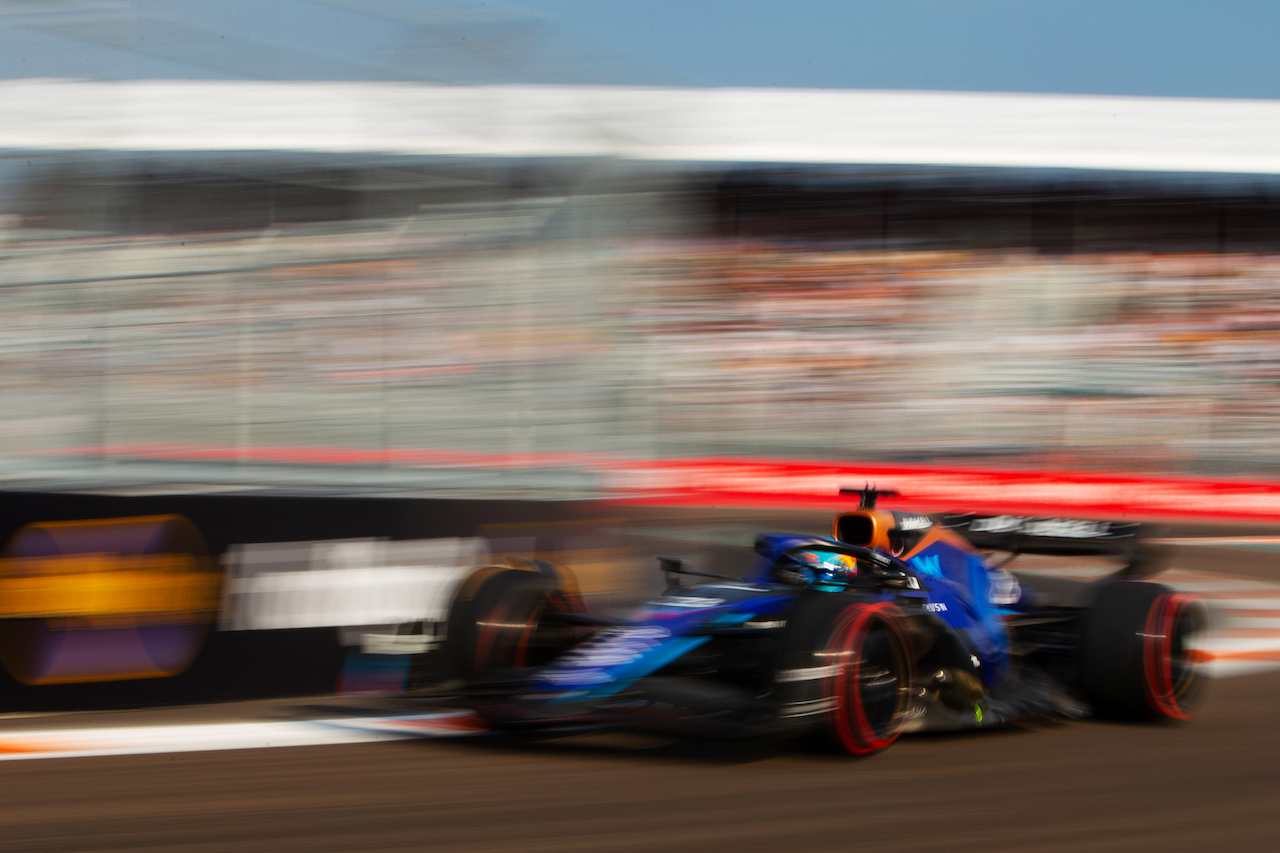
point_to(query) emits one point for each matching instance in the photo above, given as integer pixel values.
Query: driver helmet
(828, 569)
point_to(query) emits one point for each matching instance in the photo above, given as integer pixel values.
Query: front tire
(503, 619)
(851, 665)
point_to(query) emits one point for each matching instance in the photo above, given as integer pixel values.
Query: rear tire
(1136, 660)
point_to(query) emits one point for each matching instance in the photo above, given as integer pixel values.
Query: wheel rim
(489, 637)
(870, 691)
(1173, 680)
(512, 636)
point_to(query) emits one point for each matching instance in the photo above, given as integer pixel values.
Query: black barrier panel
(227, 520)
(255, 664)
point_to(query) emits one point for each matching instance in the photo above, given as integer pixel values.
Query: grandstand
(218, 282)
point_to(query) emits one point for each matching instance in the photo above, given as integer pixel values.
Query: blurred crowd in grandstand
(480, 327)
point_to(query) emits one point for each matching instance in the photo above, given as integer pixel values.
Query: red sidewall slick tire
(1136, 659)
(503, 626)
(869, 692)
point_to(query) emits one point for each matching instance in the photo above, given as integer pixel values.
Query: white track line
(75, 743)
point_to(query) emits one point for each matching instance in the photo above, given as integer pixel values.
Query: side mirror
(672, 567)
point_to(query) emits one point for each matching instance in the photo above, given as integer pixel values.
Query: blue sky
(1193, 48)
(1227, 48)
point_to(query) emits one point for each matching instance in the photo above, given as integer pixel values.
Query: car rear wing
(1059, 536)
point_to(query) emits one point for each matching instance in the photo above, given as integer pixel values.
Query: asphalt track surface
(1213, 783)
(1209, 784)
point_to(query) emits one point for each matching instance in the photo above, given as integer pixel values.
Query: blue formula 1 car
(896, 623)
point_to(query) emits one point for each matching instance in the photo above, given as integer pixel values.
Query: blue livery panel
(660, 632)
(960, 593)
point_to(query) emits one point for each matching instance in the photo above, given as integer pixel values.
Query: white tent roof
(686, 125)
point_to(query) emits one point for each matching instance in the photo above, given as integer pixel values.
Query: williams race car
(896, 623)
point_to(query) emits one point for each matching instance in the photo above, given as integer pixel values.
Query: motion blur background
(239, 240)
(420, 250)
(309, 306)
